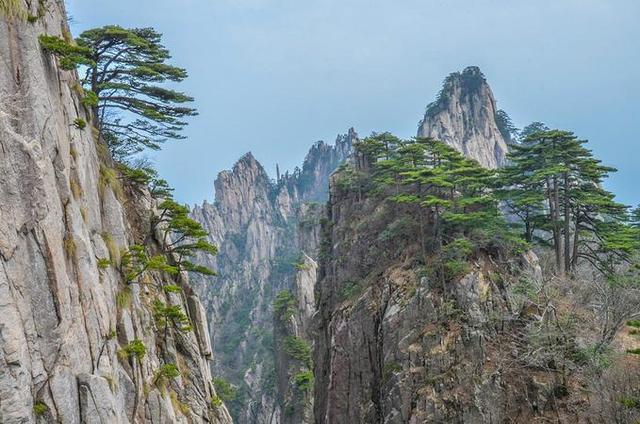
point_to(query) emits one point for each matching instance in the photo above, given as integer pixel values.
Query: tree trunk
(567, 225)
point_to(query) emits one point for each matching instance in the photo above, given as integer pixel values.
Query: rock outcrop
(396, 345)
(465, 116)
(66, 314)
(268, 236)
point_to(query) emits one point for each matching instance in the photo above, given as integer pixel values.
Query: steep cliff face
(396, 345)
(66, 315)
(464, 116)
(268, 234)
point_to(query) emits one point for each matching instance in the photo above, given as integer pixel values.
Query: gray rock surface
(464, 116)
(268, 233)
(394, 347)
(60, 325)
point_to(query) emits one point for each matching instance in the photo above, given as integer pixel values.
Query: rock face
(268, 235)
(465, 116)
(64, 318)
(395, 346)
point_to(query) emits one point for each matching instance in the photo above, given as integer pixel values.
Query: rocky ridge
(268, 235)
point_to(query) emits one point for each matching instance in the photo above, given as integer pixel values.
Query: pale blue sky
(273, 76)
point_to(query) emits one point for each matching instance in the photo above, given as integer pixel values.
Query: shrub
(284, 306)
(80, 123)
(634, 323)
(350, 289)
(226, 391)
(123, 298)
(216, 402)
(104, 263)
(635, 351)
(389, 369)
(171, 288)
(135, 349)
(170, 314)
(298, 349)
(90, 99)
(165, 373)
(304, 380)
(40, 408)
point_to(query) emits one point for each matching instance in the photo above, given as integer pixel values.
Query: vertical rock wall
(268, 233)
(63, 318)
(464, 116)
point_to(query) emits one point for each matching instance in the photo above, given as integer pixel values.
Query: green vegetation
(80, 123)
(183, 236)
(298, 349)
(104, 263)
(69, 55)
(284, 305)
(170, 315)
(134, 349)
(171, 288)
(126, 70)
(135, 262)
(554, 185)
(389, 369)
(456, 209)
(164, 374)
(350, 289)
(226, 391)
(40, 408)
(634, 323)
(123, 298)
(216, 402)
(635, 351)
(304, 380)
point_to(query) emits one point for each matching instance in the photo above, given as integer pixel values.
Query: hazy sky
(273, 76)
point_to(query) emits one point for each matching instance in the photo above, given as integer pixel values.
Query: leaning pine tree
(127, 70)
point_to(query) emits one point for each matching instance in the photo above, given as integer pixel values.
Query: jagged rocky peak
(312, 181)
(464, 115)
(268, 236)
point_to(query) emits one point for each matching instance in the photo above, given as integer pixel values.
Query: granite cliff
(268, 235)
(71, 329)
(464, 115)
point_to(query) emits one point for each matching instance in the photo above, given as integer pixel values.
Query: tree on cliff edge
(127, 72)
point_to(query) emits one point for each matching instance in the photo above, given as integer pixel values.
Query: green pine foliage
(298, 349)
(553, 184)
(183, 236)
(127, 70)
(70, 56)
(225, 390)
(458, 209)
(284, 305)
(170, 316)
(136, 262)
(134, 349)
(304, 380)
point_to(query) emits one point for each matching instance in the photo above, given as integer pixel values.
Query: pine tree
(126, 70)
(553, 183)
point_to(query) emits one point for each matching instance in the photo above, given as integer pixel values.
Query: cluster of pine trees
(550, 194)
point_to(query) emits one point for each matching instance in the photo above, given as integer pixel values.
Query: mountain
(268, 235)
(68, 319)
(466, 117)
